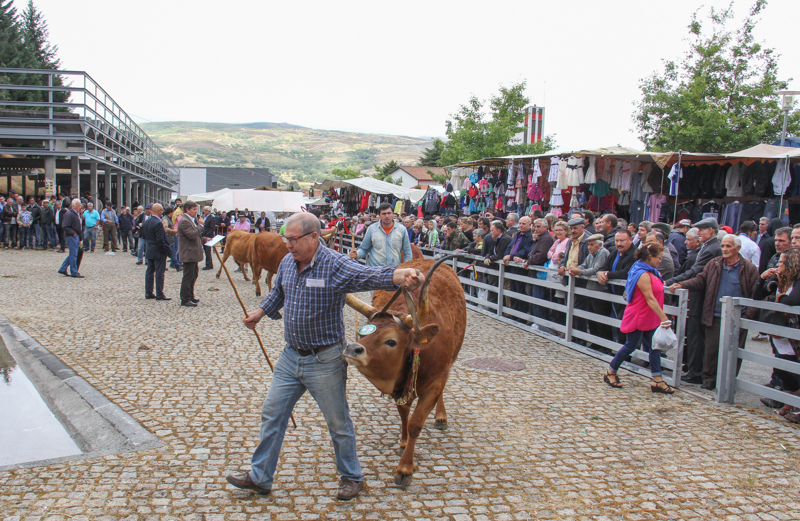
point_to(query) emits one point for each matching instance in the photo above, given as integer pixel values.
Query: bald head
(306, 222)
(157, 209)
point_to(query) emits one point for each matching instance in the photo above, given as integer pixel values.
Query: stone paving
(550, 441)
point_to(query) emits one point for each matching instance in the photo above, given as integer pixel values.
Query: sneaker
(349, 489)
(110, 253)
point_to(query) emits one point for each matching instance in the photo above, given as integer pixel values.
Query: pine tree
(12, 50)
(35, 35)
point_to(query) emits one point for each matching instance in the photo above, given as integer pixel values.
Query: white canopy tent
(764, 151)
(370, 184)
(259, 201)
(206, 197)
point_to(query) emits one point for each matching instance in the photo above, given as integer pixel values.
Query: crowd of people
(760, 260)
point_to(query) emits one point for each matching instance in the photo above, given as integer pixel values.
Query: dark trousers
(492, 281)
(209, 262)
(11, 234)
(188, 281)
(126, 238)
(62, 243)
(711, 355)
(544, 294)
(695, 347)
(109, 236)
(618, 311)
(518, 287)
(155, 273)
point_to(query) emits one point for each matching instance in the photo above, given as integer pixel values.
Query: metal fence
(564, 317)
(731, 356)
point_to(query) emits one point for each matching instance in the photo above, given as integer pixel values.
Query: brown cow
(388, 353)
(241, 245)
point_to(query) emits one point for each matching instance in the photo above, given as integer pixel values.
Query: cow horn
(361, 306)
(422, 306)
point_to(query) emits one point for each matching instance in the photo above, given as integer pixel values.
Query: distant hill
(296, 153)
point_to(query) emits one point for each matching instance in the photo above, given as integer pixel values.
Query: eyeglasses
(293, 240)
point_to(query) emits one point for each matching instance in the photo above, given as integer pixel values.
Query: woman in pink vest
(643, 315)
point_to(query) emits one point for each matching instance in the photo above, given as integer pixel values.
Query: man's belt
(308, 352)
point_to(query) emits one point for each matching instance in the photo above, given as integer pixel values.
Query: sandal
(655, 387)
(607, 378)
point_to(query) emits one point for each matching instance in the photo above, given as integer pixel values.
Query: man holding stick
(311, 285)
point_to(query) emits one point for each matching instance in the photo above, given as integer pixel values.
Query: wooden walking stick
(353, 248)
(260, 343)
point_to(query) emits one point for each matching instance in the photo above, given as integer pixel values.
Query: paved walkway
(548, 442)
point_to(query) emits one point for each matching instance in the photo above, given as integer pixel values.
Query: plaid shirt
(313, 299)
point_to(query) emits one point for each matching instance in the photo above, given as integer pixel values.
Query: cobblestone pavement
(548, 442)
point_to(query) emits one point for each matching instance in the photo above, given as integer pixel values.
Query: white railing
(501, 311)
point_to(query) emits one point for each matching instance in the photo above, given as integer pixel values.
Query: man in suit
(517, 251)
(209, 231)
(494, 250)
(707, 230)
(157, 250)
(190, 251)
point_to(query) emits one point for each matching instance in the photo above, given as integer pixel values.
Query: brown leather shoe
(349, 489)
(246, 482)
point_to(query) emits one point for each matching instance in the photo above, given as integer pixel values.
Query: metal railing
(566, 308)
(88, 124)
(730, 355)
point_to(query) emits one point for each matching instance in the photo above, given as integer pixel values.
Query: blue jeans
(35, 231)
(89, 239)
(140, 250)
(631, 341)
(24, 235)
(325, 377)
(72, 257)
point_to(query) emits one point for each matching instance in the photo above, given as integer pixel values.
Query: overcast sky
(397, 68)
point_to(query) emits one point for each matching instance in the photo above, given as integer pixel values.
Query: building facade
(196, 180)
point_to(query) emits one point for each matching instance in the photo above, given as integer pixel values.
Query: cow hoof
(402, 480)
(217, 276)
(441, 425)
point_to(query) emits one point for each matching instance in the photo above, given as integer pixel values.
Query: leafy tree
(720, 97)
(340, 173)
(473, 134)
(432, 156)
(384, 171)
(439, 179)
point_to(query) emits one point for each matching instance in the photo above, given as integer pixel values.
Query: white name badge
(315, 283)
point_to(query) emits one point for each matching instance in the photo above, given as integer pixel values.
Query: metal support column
(501, 282)
(128, 191)
(570, 308)
(93, 182)
(75, 178)
(49, 176)
(119, 194)
(107, 187)
(728, 350)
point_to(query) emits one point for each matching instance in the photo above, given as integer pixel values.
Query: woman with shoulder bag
(643, 315)
(787, 349)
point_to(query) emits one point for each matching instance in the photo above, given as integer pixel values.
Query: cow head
(386, 343)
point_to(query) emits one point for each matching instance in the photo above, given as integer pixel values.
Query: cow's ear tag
(367, 330)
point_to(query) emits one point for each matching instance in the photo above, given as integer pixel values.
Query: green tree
(439, 179)
(720, 97)
(473, 134)
(384, 171)
(340, 173)
(432, 156)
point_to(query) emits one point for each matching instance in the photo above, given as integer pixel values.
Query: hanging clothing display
(574, 171)
(553, 174)
(591, 176)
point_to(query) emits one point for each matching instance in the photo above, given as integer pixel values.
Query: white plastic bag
(664, 339)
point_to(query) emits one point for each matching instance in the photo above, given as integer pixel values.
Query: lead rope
(410, 391)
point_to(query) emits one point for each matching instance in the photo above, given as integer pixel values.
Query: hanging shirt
(675, 173)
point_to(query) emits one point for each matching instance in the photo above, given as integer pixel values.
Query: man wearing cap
(695, 346)
(710, 248)
(576, 252)
(677, 238)
(594, 262)
(242, 224)
(110, 224)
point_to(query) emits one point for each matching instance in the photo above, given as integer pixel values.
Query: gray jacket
(591, 265)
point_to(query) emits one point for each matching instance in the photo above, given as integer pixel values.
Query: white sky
(398, 68)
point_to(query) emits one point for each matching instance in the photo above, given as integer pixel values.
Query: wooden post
(260, 343)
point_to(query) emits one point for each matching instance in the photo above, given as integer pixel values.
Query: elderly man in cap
(242, 223)
(110, 224)
(677, 238)
(576, 252)
(729, 275)
(594, 262)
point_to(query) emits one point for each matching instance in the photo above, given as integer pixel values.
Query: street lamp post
(787, 102)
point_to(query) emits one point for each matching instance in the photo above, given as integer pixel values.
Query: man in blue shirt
(385, 243)
(311, 286)
(91, 218)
